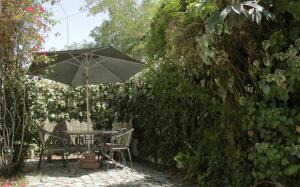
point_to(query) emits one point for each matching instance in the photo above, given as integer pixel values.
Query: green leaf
(266, 89)
(291, 170)
(284, 162)
(263, 159)
(266, 44)
(267, 61)
(261, 175)
(261, 147)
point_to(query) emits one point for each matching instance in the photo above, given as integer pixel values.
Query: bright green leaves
(265, 88)
(207, 52)
(261, 147)
(281, 68)
(278, 77)
(203, 9)
(269, 159)
(127, 25)
(272, 120)
(238, 13)
(266, 44)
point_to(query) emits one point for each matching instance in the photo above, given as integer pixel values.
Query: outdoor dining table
(89, 136)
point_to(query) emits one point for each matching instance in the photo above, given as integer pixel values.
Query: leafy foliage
(250, 67)
(127, 24)
(23, 25)
(220, 98)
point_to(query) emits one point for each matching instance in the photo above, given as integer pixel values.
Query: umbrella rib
(111, 72)
(75, 75)
(100, 62)
(75, 58)
(121, 59)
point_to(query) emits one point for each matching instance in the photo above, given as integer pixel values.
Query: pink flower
(30, 9)
(35, 48)
(42, 9)
(39, 21)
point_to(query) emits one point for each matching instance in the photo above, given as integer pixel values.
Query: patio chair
(58, 146)
(119, 143)
(55, 142)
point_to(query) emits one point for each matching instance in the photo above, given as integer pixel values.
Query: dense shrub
(221, 94)
(22, 30)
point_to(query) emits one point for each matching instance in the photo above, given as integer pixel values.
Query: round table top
(92, 132)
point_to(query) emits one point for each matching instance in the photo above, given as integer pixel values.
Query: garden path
(141, 176)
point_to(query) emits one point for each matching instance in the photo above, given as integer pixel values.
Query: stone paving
(140, 176)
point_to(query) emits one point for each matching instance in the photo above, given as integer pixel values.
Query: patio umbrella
(84, 67)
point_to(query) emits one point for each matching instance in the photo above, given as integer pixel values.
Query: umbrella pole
(88, 119)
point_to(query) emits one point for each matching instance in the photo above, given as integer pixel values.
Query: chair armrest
(52, 135)
(123, 132)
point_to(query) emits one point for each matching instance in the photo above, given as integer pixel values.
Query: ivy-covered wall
(222, 95)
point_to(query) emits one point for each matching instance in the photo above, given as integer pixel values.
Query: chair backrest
(51, 130)
(42, 135)
(127, 137)
(48, 127)
(86, 126)
(74, 125)
(53, 138)
(123, 137)
(117, 126)
(121, 125)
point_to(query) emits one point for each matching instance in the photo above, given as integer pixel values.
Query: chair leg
(78, 163)
(129, 155)
(114, 161)
(123, 158)
(41, 158)
(67, 162)
(44, 162)
(63, 160)
(109, 158)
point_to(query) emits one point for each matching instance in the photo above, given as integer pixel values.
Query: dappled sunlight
(56, 174)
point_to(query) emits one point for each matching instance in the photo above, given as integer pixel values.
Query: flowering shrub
(23, 28)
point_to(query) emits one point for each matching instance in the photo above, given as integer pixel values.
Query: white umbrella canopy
(84, 67)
